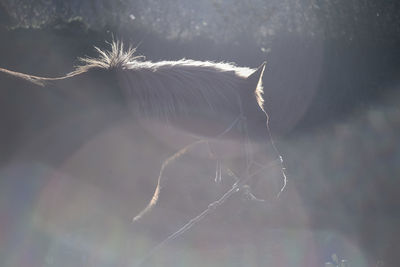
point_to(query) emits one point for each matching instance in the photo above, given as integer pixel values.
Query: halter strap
(230, 127)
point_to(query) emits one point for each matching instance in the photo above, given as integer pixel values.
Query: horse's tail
(168, 161)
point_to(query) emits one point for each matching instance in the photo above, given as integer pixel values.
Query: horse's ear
(255, 78)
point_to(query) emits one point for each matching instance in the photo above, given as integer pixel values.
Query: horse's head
(246, 146)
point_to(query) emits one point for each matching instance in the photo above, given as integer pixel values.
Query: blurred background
(72, 177)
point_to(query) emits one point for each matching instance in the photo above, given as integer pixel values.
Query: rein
(239, 118)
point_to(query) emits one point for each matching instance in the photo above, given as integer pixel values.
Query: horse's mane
(166, 88)
(120, 58)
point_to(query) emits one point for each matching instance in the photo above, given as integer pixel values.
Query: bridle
(241, 120)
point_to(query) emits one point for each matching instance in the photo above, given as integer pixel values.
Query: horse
(218, 105)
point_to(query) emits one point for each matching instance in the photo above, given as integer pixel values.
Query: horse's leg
(171, 159)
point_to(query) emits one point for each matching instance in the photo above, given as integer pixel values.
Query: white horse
(218, 104)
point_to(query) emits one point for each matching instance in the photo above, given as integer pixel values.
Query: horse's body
(218, 103)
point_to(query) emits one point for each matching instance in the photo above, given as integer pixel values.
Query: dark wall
(334, 113)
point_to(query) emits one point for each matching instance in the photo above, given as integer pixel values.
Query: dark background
(331, 88)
